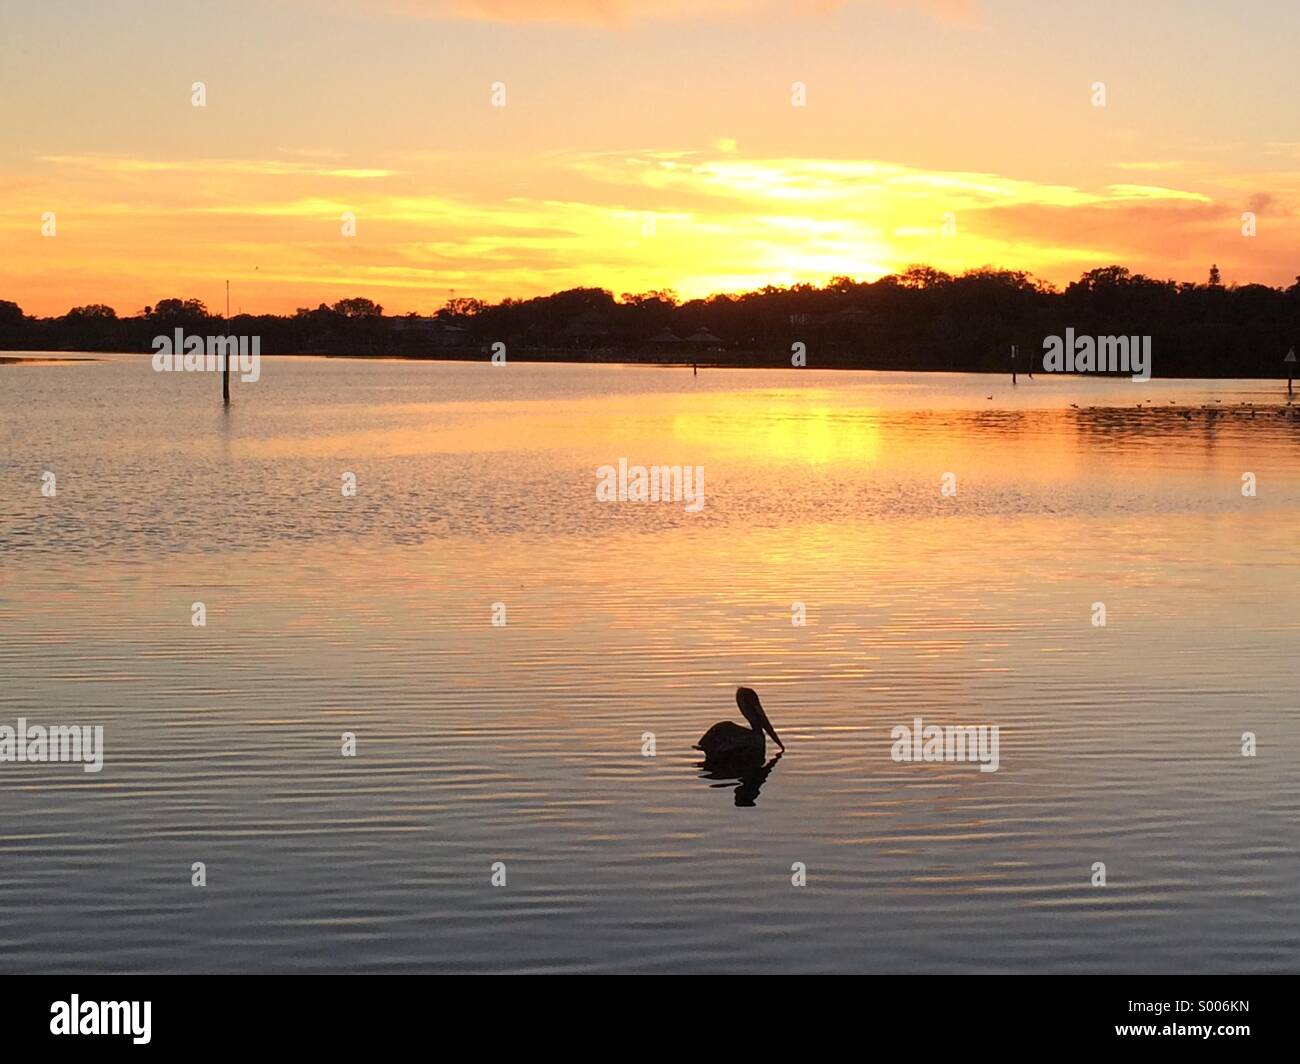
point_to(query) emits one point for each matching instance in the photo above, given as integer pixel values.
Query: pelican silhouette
(726, 740)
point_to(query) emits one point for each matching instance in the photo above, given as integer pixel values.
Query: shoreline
(7, 359)
(18, 357)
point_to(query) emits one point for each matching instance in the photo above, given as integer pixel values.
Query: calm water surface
(523, 743)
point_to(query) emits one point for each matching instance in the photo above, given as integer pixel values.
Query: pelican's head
(752, 710)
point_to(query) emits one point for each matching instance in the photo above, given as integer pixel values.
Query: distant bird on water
(728, 740)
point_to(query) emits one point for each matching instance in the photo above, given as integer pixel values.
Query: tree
(924, 277)
(1215, 280)
(358, 307)
(93, 311)
(665, 296)
(461, 308)
(10, 313)
(177, 309)
(1102, 277)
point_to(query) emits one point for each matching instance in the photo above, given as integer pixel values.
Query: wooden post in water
(1290, 370)
(1013, 363)
(225, 359)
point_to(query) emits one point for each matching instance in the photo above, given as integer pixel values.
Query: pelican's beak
(753, 709)
(767, 727)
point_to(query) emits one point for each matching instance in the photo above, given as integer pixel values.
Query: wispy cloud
(263, 167)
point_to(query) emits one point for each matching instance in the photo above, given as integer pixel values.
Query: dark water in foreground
(523, 744)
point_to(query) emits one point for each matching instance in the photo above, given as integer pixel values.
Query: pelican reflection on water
(749, 778)
(732, 752)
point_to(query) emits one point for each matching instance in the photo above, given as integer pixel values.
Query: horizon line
(934, 278)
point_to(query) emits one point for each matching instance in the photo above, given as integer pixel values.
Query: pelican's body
(726, 740)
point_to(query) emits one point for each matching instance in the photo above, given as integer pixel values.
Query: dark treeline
(920, 319)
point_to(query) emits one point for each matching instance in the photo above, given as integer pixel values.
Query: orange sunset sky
(642, 145)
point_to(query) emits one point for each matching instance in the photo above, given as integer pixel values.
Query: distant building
(413, 323)
(588, 325)
(438, 332)
(858, 315)
(451, 336)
